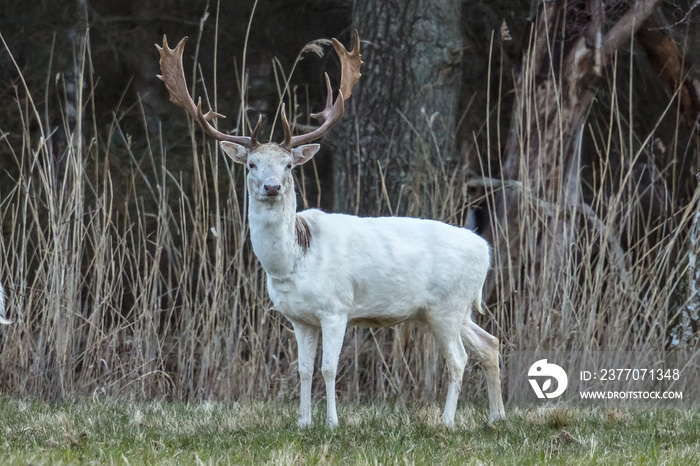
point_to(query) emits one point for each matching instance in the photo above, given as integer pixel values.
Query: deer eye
(252, 166)
(289, 166)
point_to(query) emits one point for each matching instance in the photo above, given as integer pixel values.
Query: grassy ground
(256, 433)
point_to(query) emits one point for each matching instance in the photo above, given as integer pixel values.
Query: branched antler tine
(333, 116)
(329, 102)
(173, 75)
(287, 129)
(256, 130)
(350, 73)
(211, 114)
(350, 65)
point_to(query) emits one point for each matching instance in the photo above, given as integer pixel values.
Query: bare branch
(621, 32)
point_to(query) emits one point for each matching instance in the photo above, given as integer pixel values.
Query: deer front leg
(456, 357)
(307, 342)
(333, 330)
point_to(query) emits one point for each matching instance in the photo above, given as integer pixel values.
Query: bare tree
(569, 49)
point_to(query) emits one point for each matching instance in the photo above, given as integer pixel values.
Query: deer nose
(272, 189)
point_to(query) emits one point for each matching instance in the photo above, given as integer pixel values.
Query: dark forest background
(564, 132)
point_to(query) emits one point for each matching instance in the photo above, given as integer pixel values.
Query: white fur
(3, 320)
(365, 271)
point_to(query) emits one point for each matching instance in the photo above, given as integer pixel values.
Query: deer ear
(303, 154)
(237, 152)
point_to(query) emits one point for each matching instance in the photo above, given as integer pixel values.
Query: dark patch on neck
(303, 233)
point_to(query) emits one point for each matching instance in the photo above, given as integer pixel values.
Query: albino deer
(325, 271)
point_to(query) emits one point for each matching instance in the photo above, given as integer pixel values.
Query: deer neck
(273, 234)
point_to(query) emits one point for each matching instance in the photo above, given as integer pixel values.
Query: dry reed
(149, 289)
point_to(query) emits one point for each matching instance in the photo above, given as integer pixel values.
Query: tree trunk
(402, 114)
(673, 68)
(536, 225)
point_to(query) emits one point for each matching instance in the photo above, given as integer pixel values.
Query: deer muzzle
(272, 190)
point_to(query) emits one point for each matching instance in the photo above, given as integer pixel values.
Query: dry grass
(130, 280)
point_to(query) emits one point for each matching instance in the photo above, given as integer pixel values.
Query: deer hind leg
(484, 347)
(307, 342)
(448, 338)
(333, 333)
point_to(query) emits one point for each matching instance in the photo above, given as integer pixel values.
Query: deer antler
(174, 78)
(350, 63)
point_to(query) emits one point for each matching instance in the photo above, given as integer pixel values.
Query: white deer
(328, 271)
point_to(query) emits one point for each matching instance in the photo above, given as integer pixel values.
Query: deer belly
(368, 306)
(378, 321)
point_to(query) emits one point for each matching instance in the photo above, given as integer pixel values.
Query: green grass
(254, 433)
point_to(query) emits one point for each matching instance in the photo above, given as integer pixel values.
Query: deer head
(270, 164)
